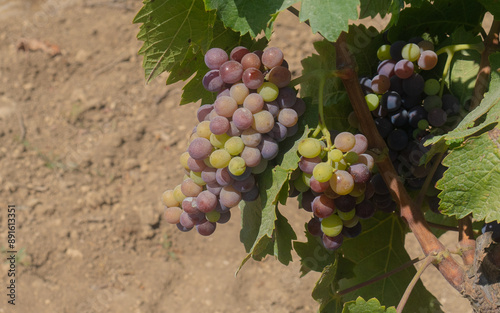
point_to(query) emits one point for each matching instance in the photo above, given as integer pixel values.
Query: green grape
(432, 102)
(345, 216)
(268, 91)
(332, 225)
(344, 141)
(351, 157)
(309, 147)
(410, 52)
(423, 124)
(384, 52)
(168, 199)
(234, 145)
(203, 129)
(432, 87)
(184, 160)
(300, 185)
(336, 155)
(237, 166)
(352, 222)
(220, 158)
(218, 141)
(178, 195)
(212, 216)
(322, 172)
(306, 178)
(196, 177)
(372, 100)
(342, 182)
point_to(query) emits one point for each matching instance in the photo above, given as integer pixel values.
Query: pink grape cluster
(236, 137)
(335, 184)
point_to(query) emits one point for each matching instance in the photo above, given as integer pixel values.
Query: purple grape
(212, 81)
(215, 57)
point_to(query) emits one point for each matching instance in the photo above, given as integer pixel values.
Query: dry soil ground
(86, 149)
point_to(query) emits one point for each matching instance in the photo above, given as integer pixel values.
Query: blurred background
(86, 150)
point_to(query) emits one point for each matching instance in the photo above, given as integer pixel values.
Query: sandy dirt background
(86, 149)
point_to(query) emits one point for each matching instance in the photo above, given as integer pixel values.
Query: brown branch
(406, 295)
(466, 240)
(410, 212)
(491, 43)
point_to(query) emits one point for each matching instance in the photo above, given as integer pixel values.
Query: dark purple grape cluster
(408, 109)
(236, 137)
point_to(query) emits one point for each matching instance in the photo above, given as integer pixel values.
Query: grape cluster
(236, 137)
(336, 185)
(407, 104)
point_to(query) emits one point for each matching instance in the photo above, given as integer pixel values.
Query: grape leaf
(489, 106)
(323, 291)
(370, 8)
(250, 17)
(169, 29)
(377, 250)
(493, 6)
(176, 35)
(328, 17)
(472, 182)
(336, 102)
(371, 306)
(262, 223)
(465, 65)
(313, 255)
(363, 43)
(439, 19)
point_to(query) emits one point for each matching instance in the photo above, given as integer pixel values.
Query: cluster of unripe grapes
(236, 136)
(408, 105)
(335, 184)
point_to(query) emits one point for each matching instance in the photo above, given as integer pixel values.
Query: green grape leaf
(489, 106)
(251, 17)
(371, 306)
(439, 19)
(493, 6)
(328, 17)
(176, 35)
(378, 249)
(323, 291)
(370, 8)
(262, 223)
(363, 43)
(336, 102)
(284, 234)
(169, 30)
(472, 182)
(312, 253)
(465, 65)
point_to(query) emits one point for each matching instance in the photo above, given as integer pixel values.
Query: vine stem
(466, 240)
(409, 211)
(491, 43)
(383, 276)
(427, 261)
